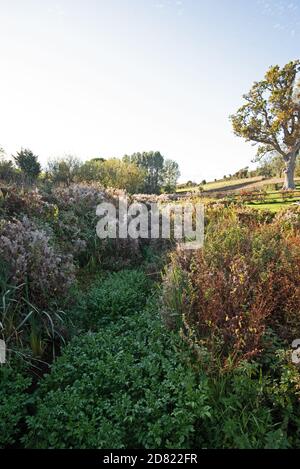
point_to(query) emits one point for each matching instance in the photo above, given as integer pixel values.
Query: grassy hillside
(236, 184)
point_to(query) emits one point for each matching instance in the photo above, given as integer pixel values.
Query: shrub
(79, 197)
(13, 402)
(16, 203)
(289, 220)
(33, 262)
(8, 173)
(75, 228)
(28, 331)
(28, 164)
(283, 395)
(120, 294)
(126, 386)
(253, 409)
(246, 278)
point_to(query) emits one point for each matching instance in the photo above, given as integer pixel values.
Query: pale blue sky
(105, 78)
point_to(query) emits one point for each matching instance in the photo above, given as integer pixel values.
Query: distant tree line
(147, 172)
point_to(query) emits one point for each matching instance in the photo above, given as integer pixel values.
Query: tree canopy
(270, 116)
(171, 175)
(153, 164)
(63, 170)
(28, 163)
(159, 173)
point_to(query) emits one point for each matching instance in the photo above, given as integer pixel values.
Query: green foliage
(174, 289)
(246, 413)
(271, 166)
(171, 175)
(90, 171)
(158, 173)
(13, 402)
(122, 175)
(270, 116)
(129, 382)
(63, 170)
(135, 385)
(127, 386)
(27, 330)
(8, 172)
(109, 173)
(120, 294)
(153, 165)
(28, 164)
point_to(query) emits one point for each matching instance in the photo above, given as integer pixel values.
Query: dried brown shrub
(245, 280)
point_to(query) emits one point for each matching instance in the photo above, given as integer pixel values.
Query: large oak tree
(270, 116)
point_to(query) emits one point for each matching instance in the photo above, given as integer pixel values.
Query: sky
(104, 78)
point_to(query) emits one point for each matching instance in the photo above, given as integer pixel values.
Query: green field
(272, 206)
(273, 200)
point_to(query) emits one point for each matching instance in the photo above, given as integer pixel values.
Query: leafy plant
(126, 386)
(120, 294)
(13, 401)
(28, 164)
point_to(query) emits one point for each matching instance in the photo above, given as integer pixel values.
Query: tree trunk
(290, 164)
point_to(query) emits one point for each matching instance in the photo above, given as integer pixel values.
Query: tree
(122, 175)
(8, 172)
(270, 116)
(28, 163)
(271, 166)
(64, 170)
(297, 171)
(113, 173)
(152, 163)
(242, 173)
(171, 174)
(91, 170)
(101, 160)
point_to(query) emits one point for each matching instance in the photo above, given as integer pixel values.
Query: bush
(288, 220)
(245, 279)
(75, 228)
(13, 402)
(17, 203)
(33, 262)
(255, 409)
(127, 386)
(120, 294)
(8, 173)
